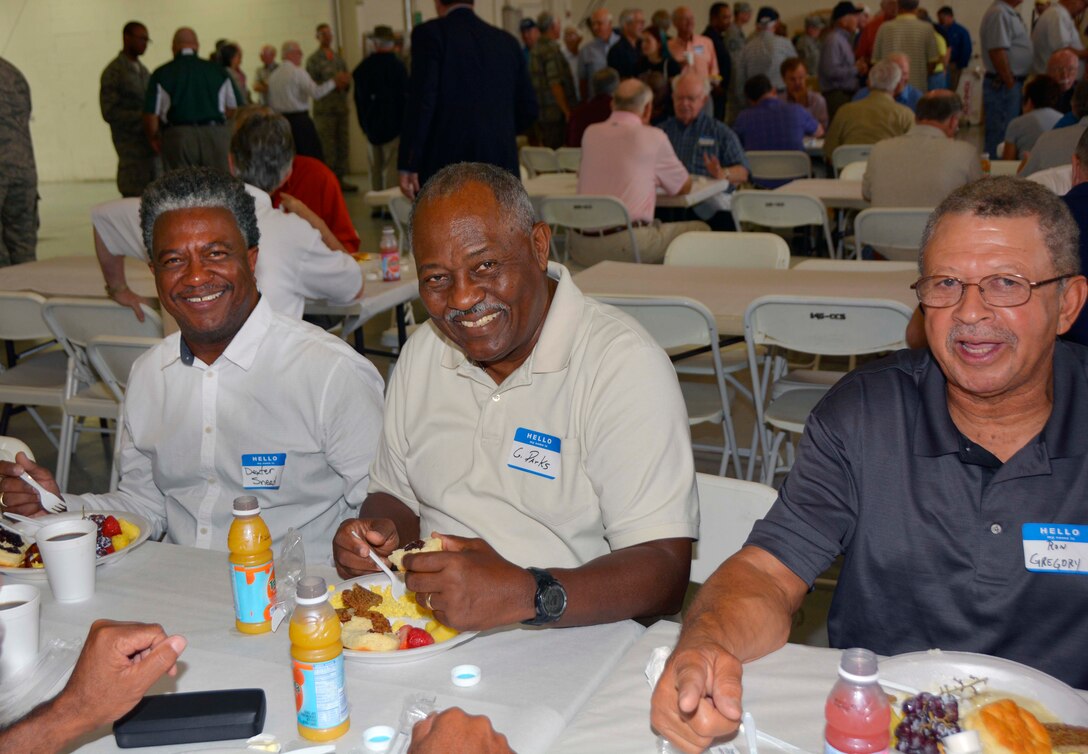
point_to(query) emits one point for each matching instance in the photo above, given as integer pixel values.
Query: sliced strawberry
(111, 527)
(402, 635)
(418, 637)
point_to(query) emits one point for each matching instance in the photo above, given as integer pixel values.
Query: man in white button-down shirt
(240, 387)
(532, 427)
(290, 90)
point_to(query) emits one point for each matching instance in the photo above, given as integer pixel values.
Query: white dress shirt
(300, 400)
(290, 88)
(294, 264)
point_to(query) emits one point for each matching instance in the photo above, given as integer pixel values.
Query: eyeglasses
(940, 291)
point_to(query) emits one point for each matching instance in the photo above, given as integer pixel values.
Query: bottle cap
(389, 229)
(311, 590)
(246, 505)
(858, 665)
(465, 675)
(378, 737)
(965, 742)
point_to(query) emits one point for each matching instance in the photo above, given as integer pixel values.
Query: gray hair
(604, 81)
(885, 76)
(262, 148)
(690, 73)
(288, 47)
(1009, 197)
(627, 15)
(507, 189)
(636, 102)
(198, 188)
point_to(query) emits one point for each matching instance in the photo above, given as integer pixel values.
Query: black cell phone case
(192, 717)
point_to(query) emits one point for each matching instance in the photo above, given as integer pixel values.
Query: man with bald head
(594, 53)
(629, 159)
(290, 89)
(1062, 67)
(186, 108)
(540, 434)
(693, 51)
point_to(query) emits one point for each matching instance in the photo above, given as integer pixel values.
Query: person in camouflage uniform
(331, 111)
(552, 82)
(18, 175)
(121, 97)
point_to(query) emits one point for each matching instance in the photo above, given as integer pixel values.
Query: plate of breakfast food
(119, 532)
(377, 628)
(1014, 708)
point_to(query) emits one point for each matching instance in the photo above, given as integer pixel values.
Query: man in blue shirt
(771, 124)
(904, 94)
(959, 45)
(706, 147)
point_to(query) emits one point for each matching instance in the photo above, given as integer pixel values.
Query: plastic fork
(50, 502)
(396, 586)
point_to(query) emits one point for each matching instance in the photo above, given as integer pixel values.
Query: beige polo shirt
(583, 449)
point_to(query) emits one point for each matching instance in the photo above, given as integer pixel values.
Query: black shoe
(348, 188)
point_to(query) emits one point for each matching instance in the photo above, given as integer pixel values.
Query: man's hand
(343, 80)
(713, 166)
(455, 730)
(356, 538)
(119, 663)
(18, 496)
(697, 699)
(260, 87)
(127, 297)
(469, 586)
(409, 184)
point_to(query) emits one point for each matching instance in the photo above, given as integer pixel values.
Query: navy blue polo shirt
(931, 533)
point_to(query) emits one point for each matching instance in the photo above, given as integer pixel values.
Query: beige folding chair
(685, 324)
(539, 160)
(112, 357)
(854, 171)
(36, 378)
(779, 209)
(586, 213)
(894, 232)
(737, 250)
(1004, 167)
(74, 322)
(815, 325)
(847, 153)
(570, 159)
(11, 447)
(728, 508)
(777, 166)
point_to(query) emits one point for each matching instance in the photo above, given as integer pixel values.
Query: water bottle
(390, 252)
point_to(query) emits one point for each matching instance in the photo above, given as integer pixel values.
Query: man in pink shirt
(690, 49)
(629, 159)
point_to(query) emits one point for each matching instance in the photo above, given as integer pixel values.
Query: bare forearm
(746, 606)
(113, 267)
(1000, 58)
(47, 729)
(382, 505)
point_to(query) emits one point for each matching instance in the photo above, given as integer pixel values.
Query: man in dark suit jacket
(468, 97)
(381, 93)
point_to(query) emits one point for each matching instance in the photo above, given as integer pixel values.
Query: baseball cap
(766, 15)
(844, 8)
(526, 24)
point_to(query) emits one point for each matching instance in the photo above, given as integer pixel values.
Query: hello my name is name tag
(535, 453)
(1056, 548)
(262, 471)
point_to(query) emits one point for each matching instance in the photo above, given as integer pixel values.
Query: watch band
(550, 599)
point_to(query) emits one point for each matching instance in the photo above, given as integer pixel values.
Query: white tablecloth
(534, 680)
(833, 192)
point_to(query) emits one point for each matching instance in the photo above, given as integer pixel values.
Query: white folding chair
(777, 166)
(12, 446)
(112, 357)
(779, 209)
(539, 160)
(894, 232)
(400, 207)
(809, 324)
(1058, 179)
(853, 265)
(847, 153)
(36, 378)
(854, 171)
(74, 322)
(570, 159)
(728, 508)
(737, 250)
(586, 213)
(1004, 167)
(685, 324)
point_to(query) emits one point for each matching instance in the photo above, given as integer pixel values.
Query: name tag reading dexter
(535, 453)
(262, 471)
(1056, 548)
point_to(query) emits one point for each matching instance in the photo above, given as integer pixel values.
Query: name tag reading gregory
(535, 453)
(262, 471)
(1056, 548)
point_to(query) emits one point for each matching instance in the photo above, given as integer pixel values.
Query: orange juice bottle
(252, 572)
(318, 664)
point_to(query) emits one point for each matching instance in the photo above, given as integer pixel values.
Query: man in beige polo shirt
(531, 427)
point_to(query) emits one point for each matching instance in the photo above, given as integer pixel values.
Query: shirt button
(211, 480)
(208, 430)
(995, 528)
(210, 375)
(203, 530)
(496, 397)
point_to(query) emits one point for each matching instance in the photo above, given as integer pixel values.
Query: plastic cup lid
(378, 737)
(465, 675)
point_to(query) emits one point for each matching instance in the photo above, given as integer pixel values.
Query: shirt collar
(931, 132)
(625, 117)
(243, 347)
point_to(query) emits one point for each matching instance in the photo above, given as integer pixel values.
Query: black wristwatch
(551, 598)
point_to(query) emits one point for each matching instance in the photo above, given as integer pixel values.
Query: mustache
(483, 307)
(987, 332)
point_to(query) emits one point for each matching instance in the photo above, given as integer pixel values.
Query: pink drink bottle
(857, 710)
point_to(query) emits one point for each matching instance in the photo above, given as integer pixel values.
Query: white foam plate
(38, 574)
(928, 671)
(398, 655)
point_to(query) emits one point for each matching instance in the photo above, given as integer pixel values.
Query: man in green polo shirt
(187, 104)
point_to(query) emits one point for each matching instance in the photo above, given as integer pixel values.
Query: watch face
(553, 600)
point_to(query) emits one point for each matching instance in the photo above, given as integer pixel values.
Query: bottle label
(254, 591)
(829, 749)
(390, 265)
(320, 699)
